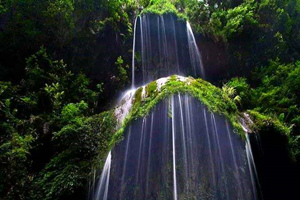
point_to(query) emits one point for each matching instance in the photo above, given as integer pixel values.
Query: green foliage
(160, 7)
(14, 166)
(61, 9)
(279, 90)
(80, 143)
(122, 77)
(14, 146)
(221, 22)
(229, 93)
(227, 24)
(72, 110)
(80, 32)
(51, 80)
(277, 95)
(252, 32)
(243, 90)
(59, 17)
(51, 111)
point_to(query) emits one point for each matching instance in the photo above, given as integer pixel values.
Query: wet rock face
(180, 151)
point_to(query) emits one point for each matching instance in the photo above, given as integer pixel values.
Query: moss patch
(270, 126)
(261, 121)
(151, 89)
(138, 95)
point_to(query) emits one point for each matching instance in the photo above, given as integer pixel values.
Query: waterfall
(191, 153)
(180, 150)
(166, 46)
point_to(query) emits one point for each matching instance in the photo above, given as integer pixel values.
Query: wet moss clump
(151, 89)
(138, 95)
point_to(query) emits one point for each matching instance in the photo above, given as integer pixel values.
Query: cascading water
(180, 150)
(166, 46)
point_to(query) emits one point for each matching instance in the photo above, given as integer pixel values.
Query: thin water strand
(174, 151)
(183, 135)
(103, 185)
(195, 55)
(133, 54)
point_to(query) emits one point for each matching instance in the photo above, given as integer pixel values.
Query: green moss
(208, 94)
(138, 95)
(151, 89)
(270, 126)
(261, 121)
(161, 7)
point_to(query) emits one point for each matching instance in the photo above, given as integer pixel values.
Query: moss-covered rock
(146, 97)
(262, 121)
(217, 100)
(271, 127)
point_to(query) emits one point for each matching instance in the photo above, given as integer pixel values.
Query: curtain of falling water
(179, 151)
(165, 46)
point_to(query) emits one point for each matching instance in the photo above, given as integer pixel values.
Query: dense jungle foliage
(63, 62)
